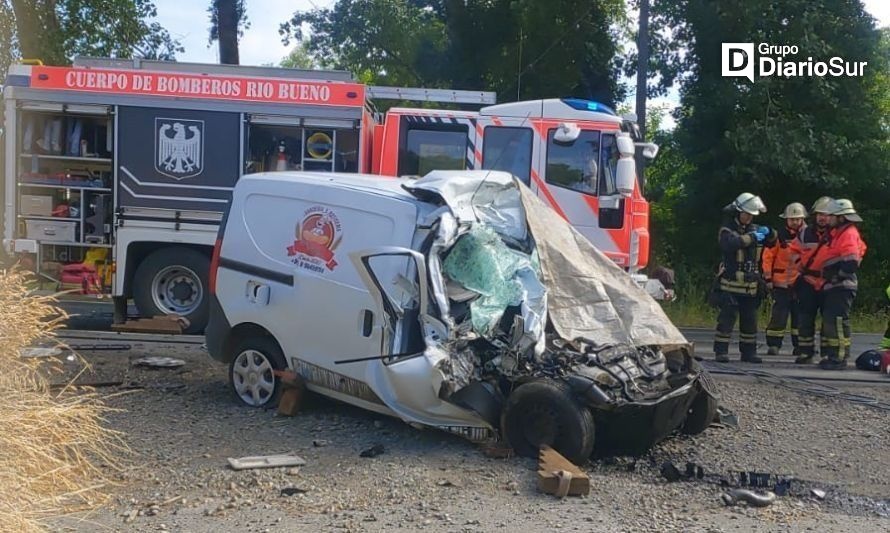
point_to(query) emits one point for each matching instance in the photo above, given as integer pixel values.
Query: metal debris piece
(754, 499)
(727, 417)
(159, 362)
(39, 351)
(290, 491)
(818, 493)
(670, 472)
(373, 451)
(265, 461)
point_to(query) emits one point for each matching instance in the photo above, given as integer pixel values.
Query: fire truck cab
(577, 155)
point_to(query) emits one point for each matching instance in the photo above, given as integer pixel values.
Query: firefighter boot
(832, 363)
(804, 359)
(772, 350)
(752, 358)
(721, 357)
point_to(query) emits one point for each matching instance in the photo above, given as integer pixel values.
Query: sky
(187, 21)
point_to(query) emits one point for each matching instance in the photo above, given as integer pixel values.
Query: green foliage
(519, 48)
(299, 58)
(786, 139)
(57, 31)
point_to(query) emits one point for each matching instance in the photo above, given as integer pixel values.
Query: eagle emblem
(179, 147)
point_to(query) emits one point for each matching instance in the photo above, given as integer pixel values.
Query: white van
(456, 301)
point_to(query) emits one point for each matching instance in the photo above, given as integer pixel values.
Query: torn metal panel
(491, 199)
(589, 296)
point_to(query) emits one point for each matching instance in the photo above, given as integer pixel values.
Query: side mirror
(566, 133)
(625, 145)
(626, 176)
(650, 150)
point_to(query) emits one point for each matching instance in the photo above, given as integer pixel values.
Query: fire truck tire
(173, 281)
(545, 412)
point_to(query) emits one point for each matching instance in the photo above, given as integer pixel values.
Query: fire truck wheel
(545, 412)
(173, 281)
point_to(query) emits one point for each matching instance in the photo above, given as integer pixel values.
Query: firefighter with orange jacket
(741, 244)
(808, 251)
(780, 273)
(845, 251)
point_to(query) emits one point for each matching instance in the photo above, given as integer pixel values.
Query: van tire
(269, 349)
(701, 414)
(544, 412)
(166, 267)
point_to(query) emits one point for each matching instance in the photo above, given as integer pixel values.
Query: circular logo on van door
(316, 238)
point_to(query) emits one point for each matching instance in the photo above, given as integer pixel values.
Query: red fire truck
(117, 172)
(577, 155)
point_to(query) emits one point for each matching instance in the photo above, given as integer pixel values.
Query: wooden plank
(167, 324)
(292, 392)
(554, 470)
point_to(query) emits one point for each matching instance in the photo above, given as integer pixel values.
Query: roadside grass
(52, 442)
(690, 309)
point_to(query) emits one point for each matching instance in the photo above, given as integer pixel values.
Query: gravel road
(183, 423)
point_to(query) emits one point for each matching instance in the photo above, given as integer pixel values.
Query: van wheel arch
(245, 330)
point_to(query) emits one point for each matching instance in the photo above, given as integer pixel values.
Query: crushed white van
(457, 301)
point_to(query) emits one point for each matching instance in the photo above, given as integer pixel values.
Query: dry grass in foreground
(51, 442)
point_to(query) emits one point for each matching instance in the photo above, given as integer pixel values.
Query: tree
(56, 31)
(520, 48)
(299, 57)
(784, 138)
(228, 20)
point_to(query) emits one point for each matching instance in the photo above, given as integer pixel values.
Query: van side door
(407, 376)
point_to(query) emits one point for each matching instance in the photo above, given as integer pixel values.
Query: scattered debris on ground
(265, 461)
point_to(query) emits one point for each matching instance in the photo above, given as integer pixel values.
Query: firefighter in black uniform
(740, 283)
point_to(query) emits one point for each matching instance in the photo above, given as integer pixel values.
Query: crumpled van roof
(389, 187)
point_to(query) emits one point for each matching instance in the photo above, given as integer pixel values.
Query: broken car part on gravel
(265, 461)
(754, 499)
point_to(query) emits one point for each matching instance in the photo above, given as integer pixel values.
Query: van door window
(508, 149)
(433, 148)
(609, 217)
(574, 165)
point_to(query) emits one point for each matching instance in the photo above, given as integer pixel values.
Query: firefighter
(845, 250)
(741, 243)
(808, 251)
(780, 273)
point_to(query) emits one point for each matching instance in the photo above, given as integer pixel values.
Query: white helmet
(794, 210)
(748, 203)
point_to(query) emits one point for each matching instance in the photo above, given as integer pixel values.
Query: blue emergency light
(587, 105)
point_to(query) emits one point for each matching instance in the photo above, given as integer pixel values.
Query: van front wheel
(252, 372)
(544, 412)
